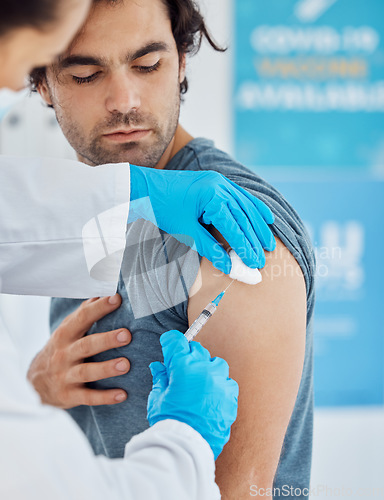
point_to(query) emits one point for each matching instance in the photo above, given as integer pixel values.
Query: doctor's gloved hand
(193, 388)
(180, 202)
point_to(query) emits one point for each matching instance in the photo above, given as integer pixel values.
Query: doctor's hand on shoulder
(59, 372)
(187, 203)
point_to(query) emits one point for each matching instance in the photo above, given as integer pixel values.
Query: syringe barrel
(211, 308)
(200, 321)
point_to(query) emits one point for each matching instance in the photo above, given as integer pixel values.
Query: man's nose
(123, 95)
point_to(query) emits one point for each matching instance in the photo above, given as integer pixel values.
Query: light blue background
(349, 313)
(326, 164)
(304, 138)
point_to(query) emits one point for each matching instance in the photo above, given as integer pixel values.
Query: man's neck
(179, 140)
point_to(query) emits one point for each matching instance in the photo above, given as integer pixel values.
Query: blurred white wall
(348, 459)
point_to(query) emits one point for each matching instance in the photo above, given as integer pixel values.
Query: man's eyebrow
(82, 60)
(147, 49)
(67, 62)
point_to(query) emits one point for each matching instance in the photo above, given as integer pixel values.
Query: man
(116, 94)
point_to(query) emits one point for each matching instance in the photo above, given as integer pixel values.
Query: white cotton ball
(241, 272)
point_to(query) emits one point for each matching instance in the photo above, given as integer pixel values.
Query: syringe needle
(229, 285)
(202, 319)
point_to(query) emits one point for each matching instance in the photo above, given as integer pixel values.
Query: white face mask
(9, 98)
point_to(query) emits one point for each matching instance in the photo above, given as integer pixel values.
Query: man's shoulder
(201, 154)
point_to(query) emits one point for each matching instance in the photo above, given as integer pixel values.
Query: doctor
(62, 233)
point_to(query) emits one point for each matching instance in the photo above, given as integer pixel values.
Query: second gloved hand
(180, 202)
(193, 388)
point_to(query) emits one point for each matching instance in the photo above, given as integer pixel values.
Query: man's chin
(104, 156)
(134, 152)
(120, 158)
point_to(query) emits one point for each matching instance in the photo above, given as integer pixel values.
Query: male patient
(116, 94)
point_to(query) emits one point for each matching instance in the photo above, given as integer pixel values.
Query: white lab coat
(62, 229)
(49, 211)
(45, 456)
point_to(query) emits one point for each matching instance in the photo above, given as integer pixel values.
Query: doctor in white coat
(62, 233)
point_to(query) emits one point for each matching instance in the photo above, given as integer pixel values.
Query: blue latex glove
(193, 388)
(178, 202)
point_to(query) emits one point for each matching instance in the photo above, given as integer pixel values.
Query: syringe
(204, 316)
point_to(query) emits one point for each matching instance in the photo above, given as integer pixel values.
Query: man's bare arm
(260, 331)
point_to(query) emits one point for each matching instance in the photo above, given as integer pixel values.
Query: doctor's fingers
(99, 342)
(91, 372)
(80, 321)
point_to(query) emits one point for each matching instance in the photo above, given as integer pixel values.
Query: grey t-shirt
(156, 276)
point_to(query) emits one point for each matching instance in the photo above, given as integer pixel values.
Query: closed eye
(148, 69)
(85, 79)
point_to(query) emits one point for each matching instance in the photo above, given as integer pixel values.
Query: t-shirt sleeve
(288, 226)
(158, 271)
(156, 275)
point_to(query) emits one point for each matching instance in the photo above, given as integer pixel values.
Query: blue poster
(309, 84)
(345, 221)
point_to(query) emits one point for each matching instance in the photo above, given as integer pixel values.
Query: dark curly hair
(188, 28)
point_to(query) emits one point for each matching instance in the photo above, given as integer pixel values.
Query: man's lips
(127, 135)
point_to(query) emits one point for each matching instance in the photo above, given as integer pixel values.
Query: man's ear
(182, 66)
(43, 90)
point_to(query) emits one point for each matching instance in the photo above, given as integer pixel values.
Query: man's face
(116, 92)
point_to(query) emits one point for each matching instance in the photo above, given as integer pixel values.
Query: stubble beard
(92, 151)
